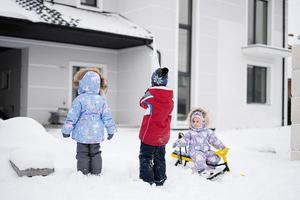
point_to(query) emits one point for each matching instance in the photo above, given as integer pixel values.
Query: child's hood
(90, 83)
(203, 113)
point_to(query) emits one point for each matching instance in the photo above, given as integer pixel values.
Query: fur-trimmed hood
(90, 83)
(204, 114)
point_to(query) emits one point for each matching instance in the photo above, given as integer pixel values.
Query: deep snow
(262, 155)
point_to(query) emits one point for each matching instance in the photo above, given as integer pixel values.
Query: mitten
(174, 145)
(66, 135)
(110, 136)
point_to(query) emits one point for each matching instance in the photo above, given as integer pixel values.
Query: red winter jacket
(155, 128)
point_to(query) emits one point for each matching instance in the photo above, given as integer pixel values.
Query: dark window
(92, 3)
(257, 22)
(256, 84)
(184, 58)
(5, 80)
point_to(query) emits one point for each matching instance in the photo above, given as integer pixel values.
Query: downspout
(158, 53)
(283, 64)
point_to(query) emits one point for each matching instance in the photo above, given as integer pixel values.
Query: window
(257, 22)
(184, 58)
(5, 80)
(92, 3)
(256, 84)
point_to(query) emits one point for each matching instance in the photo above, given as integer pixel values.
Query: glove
(174, 144)
(66, 135)
(110, 136)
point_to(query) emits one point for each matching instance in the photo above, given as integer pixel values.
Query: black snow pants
(152, 164)
(89, 158)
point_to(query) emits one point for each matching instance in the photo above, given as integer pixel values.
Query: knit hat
(160, 77)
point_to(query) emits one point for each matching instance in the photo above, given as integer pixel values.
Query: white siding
(134, 72)
(48, 74)
(295, 131)
(159, 17)
(222, 68)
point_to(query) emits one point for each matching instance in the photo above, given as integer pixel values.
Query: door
(10, 82)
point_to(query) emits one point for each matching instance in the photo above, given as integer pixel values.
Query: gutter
(283, 64)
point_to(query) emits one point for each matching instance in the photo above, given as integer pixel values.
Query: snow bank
(27, 144)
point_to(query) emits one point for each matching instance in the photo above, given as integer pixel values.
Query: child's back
(89, 113)
(155, 129)
(87, 117)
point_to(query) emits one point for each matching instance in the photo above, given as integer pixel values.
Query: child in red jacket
(155, 128)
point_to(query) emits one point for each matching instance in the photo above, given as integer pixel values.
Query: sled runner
(183, 157)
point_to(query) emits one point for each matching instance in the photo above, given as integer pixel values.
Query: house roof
(60, 23)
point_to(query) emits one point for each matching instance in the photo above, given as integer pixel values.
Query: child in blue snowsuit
(86, 119)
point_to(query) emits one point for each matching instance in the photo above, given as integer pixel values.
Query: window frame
(188, 28)
(253, 39)
(98, 7)
(5, 80)
(95, 5)
(253, 98)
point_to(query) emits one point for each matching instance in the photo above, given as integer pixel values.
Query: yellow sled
(182, 155)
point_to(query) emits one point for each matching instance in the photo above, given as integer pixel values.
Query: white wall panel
(296, 110)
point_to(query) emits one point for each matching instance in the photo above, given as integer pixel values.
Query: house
(44, 43)
(227, 56)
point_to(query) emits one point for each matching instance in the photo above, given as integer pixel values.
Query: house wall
(110, 5)
(221, 68)
(49, 93)
(49, 74)
(295, 130)
(134, 72)
(161, 18)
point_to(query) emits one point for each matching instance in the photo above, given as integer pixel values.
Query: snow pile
(23, 132)
(26, 143)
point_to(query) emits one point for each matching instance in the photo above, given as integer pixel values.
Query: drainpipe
(158, 53)
(283, 64)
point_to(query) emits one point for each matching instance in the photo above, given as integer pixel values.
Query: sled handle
(223, 153)
(180, 135)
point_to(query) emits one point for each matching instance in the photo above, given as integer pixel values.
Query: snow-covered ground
(258, 158)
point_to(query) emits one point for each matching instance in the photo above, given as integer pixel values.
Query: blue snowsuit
(89, 113)
(87, 117)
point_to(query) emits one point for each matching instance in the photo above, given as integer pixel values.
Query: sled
(183, 157)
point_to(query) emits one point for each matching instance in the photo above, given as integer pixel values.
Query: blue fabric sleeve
(107, 119)
(72, 117)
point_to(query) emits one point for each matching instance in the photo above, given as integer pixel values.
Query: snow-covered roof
(35, 11)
